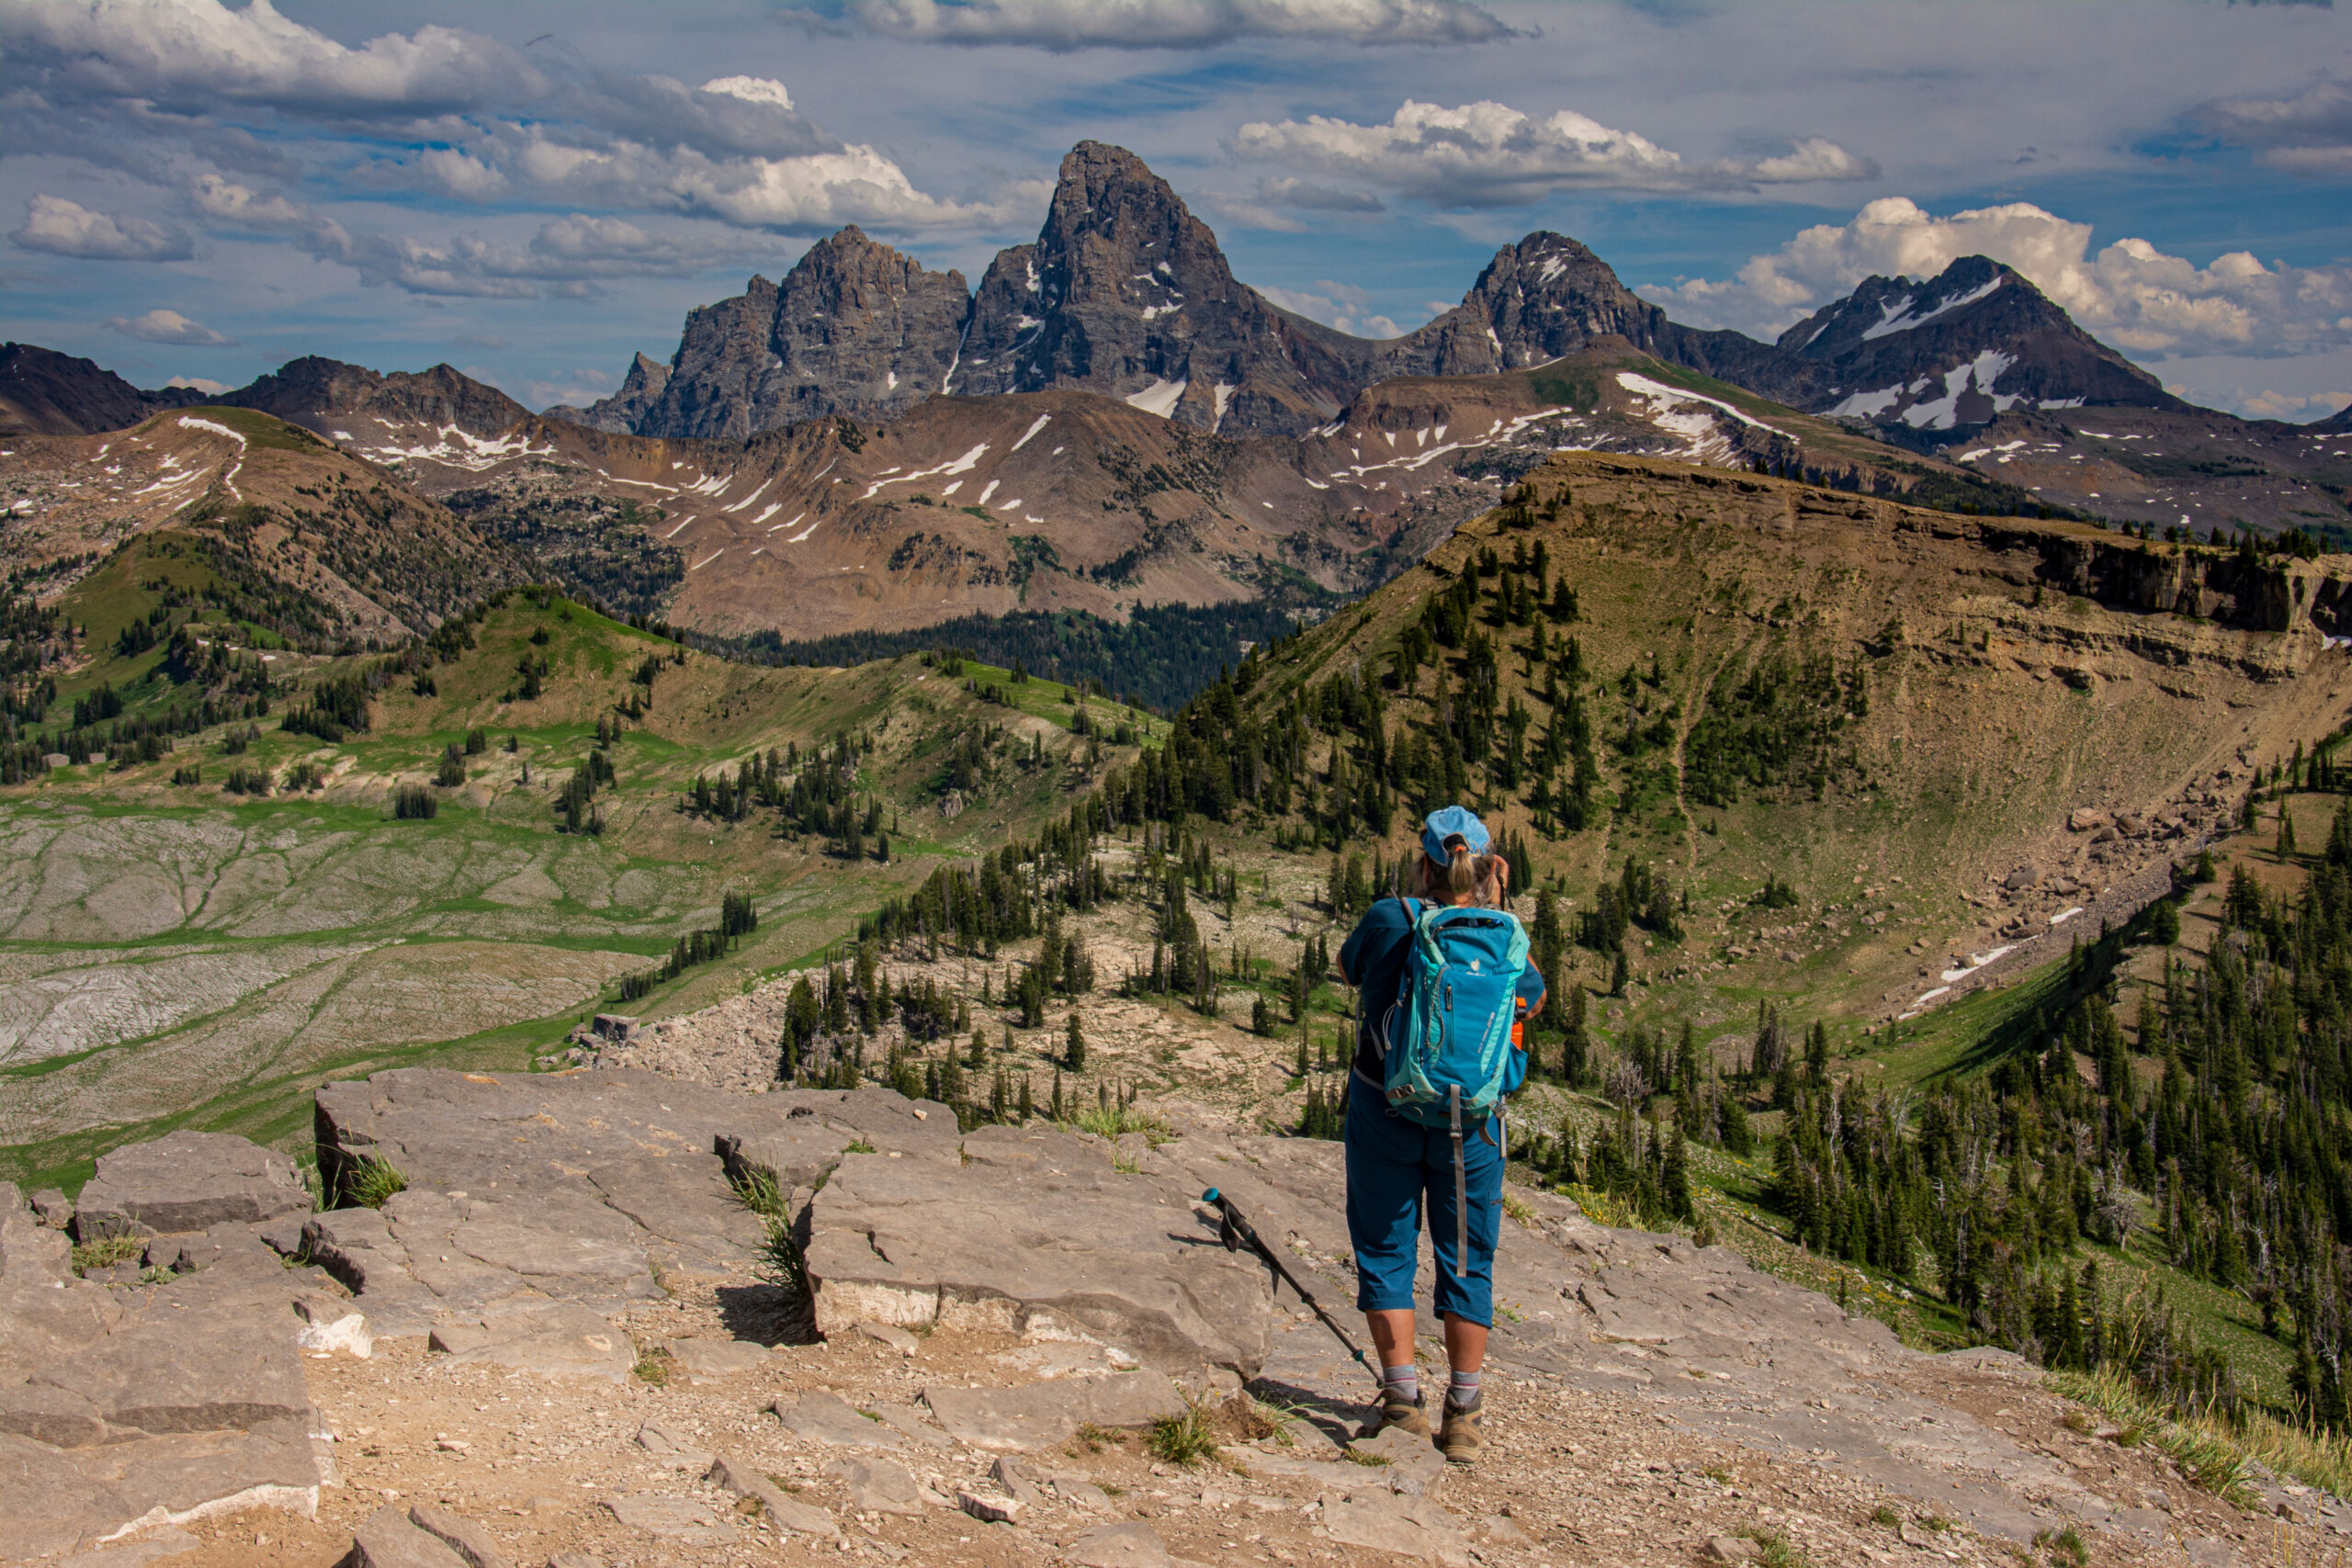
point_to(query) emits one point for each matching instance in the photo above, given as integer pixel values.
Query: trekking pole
(1235, 1232)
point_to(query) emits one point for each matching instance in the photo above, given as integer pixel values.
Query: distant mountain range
(1111, 420)
(1125, 293)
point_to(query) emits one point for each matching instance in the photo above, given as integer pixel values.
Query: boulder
(473, 1543)
(31, 1253)
(1046, 1240)
(390, 1539)
(1041, 1414)
(2085, 819)
(55, 1209)
(188, 1181)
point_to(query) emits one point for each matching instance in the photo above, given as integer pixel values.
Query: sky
(194, 191)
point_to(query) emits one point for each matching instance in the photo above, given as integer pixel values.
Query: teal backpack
(1450, 1058)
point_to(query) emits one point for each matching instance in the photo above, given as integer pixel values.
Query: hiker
(1443, 984)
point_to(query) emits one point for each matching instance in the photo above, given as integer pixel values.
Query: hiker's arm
(1351, 950)
(1534, 999)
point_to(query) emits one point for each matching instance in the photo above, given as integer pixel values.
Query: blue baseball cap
(1452, 822)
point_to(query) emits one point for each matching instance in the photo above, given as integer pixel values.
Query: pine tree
(1620, 973)
(1575, 1051)
(976, 1055)
(1074, 1046)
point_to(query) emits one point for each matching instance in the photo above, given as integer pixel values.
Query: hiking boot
(1460, 1439)
(1395, 1410)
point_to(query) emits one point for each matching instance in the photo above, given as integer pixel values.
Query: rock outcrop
(1068, 1289)
(621, 413)
(125, 1408)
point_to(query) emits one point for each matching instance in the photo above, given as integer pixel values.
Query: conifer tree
(1074, 1045)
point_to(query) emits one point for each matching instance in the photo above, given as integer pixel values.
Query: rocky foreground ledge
(557, 1344)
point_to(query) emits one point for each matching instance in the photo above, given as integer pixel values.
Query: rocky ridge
(558, 1331)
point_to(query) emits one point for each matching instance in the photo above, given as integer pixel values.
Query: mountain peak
(1975, 341)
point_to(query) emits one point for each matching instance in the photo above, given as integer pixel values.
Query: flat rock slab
(1407, 1463)
(828, 1419)
(1023, 1420)
(188, 1181)
(1037, 1235)
(1130, 1544)
(552, 1338)
(713, 1360)
(1409, 1526)
(680, 1519)
(881, 1485)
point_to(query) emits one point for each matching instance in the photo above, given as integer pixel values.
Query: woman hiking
(1443, 984)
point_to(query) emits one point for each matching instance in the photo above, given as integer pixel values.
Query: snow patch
(1036, 425)
(1159, 399)
(987, 490)
(1224, 390)
(1897, 318)
(785, 523)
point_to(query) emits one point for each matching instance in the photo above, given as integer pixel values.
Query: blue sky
(534, 191)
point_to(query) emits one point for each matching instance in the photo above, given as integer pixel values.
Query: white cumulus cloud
(1175, 23)
(1337, 305)
(204, 384)
(1490, 155)
(169, 326)
(2129, 293)
(68, 229)
(179, 52)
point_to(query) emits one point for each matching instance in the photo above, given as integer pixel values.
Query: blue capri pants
(1398, 1170)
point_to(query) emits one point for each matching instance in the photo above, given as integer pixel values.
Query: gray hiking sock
(1462, 1394)
(1406, 1381)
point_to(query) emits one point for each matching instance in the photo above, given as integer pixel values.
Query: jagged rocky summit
(1125, 293)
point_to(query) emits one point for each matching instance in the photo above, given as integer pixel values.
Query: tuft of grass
(106, 1251)
(1370, 1461)
(370, 1183)
(2066, 1547)
(655, 1366)
(1773, 1550)
(2214, 1453)
(1093, 1438)
(1185, 1439)
(779, 1260)
(1885, 1515)
(1115, 1121)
